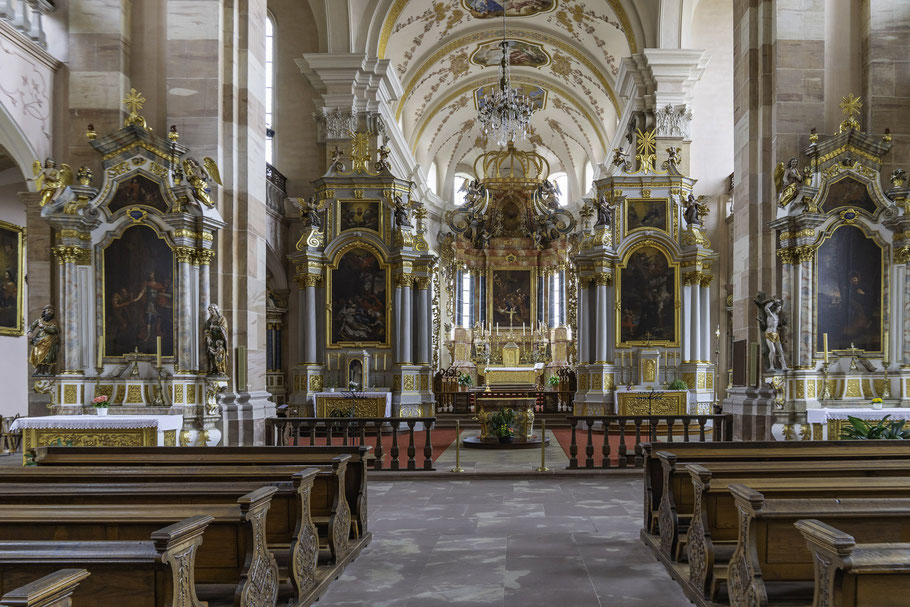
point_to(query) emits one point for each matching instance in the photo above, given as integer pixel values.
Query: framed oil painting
(359, 215)
(359, 291)
(489, 9)
(138, 294)
(647, 213)
(511, 297)
(11, 265)
(521, 53)
(647, 298)
(849, 193)
(849, 291)
(138, 191)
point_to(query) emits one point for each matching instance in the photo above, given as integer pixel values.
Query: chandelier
(505, 114)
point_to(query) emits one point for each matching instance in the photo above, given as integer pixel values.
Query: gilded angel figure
(49, 180)
(201, 178)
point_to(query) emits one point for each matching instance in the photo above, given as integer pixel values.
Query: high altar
(838, 335)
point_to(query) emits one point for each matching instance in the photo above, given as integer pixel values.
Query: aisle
(502, 460)
(565, 542)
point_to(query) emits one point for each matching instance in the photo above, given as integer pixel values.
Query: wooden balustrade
(646, 428)
(459, 401)
(354, 431)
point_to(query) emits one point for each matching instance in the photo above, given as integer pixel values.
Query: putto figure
(49, 180)
(216, 340)
(44, 338)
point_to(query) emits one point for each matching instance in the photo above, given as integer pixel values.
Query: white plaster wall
(13, 350)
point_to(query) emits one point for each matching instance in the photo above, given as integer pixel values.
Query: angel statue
(620, 157)
(549, 193)
(604, 212)
(771, 324)
(401, 213)
(673, 156)
(309, 211)
(383, 164)
(786, 181)
(695, 211)
(201, 178)
(49, 180)
(216, 340)
(473, 191)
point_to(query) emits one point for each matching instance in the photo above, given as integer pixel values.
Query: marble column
(407, 322)
(423, 321)
(687, 324)
(905, 328)
(601, 327)
(310, 320)
(398, 346)
(610, 326)
(582, 335)
(804, 288)
(695, 320)
(705, 319)
(185, 309)
(205, 257)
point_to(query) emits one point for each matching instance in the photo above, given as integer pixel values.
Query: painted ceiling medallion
(521, 54)
(490, 9)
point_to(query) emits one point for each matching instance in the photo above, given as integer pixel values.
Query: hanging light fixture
(505, 114)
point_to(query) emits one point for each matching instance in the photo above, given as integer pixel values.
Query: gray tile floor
(502, 460)
(546, 541)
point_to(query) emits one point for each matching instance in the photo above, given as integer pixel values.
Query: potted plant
(678, 384)
(330, 384)
(464, 381)
(100, 404)
(553, 382)
(876, 403)
(501, 425)
(862, 430)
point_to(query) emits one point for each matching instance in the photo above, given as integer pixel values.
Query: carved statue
(309, 211)
(383, 163)
(786, 181)
(401, 213)
(695, 211)
(337, 160)
(898, 178)
(549, 194)
(673, 156)
(620, 158)
(771, 324)
(201, 178)
(49, 180)
(216, 340)
(604, 212)
(44, 338)
(474, 192)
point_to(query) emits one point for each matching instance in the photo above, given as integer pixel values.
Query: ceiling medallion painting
(488, 9)
(536, 95)
(521, 54)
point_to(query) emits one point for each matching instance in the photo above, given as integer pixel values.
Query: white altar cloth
(821, 416)
(347, 394)
(75, 422)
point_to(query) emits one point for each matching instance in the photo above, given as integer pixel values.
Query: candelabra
(826, 391)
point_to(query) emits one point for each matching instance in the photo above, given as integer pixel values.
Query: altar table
(365, 404)
(512, 375)
(664, 402)
(827, 423)
(98, 431)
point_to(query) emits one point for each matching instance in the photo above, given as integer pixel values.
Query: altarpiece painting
(645, 213)
(11, 253)
(138, 294)
(849, 295)
(647, 297)
(358, 215)
(511, 297)
(849, 193)
(138, 191)
(359, 290)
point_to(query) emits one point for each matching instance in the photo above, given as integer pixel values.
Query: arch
(17, 145)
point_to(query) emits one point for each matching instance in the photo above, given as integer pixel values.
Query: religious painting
(534, 93)
(138, 294)
(138, 191)
(511, 297)
(647, 213)
(647, 308)
(358, 291)
(489, 9)
(849, 192)
(849, 291)
(358, 215)
(521, 54)
(11, 255)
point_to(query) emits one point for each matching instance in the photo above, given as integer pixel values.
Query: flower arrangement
(538, 408)
(100, 402)
(876, 403)
(465, 380)
(501, 424)
(553, 381)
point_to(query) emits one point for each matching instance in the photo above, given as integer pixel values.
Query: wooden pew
(714, 533)
(150, 573)
(52, 590)
(678, 496)
(848, 574)
(771, 565)
(706, 453)
(234, 558)
(355, 478)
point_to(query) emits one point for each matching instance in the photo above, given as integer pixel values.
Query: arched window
(464, 298)
(269, 84)
(561, 181)
(589, 177)
(432, 176)
(461, 183)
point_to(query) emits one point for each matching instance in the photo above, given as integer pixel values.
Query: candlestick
(825, 345)
(100, 353)
(885, 349)
(158, 352)
(497, 328)
(522, 328)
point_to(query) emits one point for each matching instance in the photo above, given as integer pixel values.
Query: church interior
(482, 302)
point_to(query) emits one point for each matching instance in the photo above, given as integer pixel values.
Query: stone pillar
(423, 320)
(805, 346)
(67, 310)
(312, 312)
(687, 350)
(611, 321)
(186, 333)
(205, 257)
(398, 344)
(582, 335)
(407, 322)
(706, 318)
(695, 320)
(600, 327)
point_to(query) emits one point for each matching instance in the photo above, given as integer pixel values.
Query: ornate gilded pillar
(687, 350)
(68, 306)
(705, 288)
(695, 320)
(312, 312)
(805, 288)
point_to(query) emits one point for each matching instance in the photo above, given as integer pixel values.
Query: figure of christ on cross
(511, 311)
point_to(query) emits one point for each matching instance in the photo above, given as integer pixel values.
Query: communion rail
(355, 431)
(645, 428)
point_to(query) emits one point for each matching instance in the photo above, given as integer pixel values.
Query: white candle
(522, 328)
(158, 352)
(825, 345)
(885, 349)
(497, 328)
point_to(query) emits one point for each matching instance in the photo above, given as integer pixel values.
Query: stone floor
(571, 542)
(502, 460)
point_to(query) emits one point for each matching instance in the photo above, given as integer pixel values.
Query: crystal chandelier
(505, 114)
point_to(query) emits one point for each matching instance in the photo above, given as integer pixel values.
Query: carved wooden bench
(234, 559)
(52, 590)
(150, 573)
(848, 574)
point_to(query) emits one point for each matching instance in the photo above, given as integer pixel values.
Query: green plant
(862, 430)
(501, 423)
(553, 381)
(465, 380)
(678, 384)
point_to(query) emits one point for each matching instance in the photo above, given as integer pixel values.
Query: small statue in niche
(604, 212)
(49, 180)
(483, 239)
(695, 210)
(309, 211)
(216, 340)
(383, 163)
(771, 324)
(44, 338)
(337, 160)
(201, 178)
(401, 213)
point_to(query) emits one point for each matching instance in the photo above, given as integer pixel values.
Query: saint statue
(44, 338)
(604, 213)
(401, 213)
(309, 211)
(693, 212)
(216, 340)
(770, 323)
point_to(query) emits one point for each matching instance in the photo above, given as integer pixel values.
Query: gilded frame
(18, 233)
(489, 302)
(617, 313)
(668, 226)
(884, 311)
(102, 251)
(330, 270)
(822, 196)
(379, 216)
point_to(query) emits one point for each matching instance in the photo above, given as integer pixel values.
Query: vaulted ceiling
(565, 54)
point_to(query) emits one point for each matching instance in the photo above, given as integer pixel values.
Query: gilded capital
(604, 279)
(185, 254)
(422, 283)
(77, 255)
(204, 256)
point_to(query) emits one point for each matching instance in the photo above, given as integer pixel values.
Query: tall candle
(158, 352)
(100, 351)
(497, 328)
(825, 345)
(522, 328)
(885, 349)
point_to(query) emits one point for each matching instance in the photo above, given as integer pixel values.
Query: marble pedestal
(243, 416)
(753, 412)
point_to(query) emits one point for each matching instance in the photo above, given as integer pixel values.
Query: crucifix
(511, 311)
(853, 352)
(648, 337)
